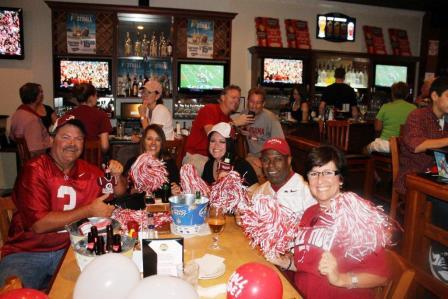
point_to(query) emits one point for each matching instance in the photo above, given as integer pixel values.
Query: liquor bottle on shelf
(128, 85)
(162, 46)
(138, 46)
(128, 45)
(169, 48)
(134, 88)
(153, 46)
(140, 82)
(145, 46)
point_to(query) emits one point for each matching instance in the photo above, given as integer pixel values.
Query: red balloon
(24, 294)
(254, 281)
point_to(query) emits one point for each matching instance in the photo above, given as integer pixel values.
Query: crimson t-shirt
(317, 236)
(197, 142)
(94, 120)
(41, 188)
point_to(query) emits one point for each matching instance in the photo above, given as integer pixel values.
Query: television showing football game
(201, 76)
(386, 75)
(74, 71)
(278, 71)
(11, 33)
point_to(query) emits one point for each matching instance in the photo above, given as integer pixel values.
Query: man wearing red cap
(53, 190)
(282, 182)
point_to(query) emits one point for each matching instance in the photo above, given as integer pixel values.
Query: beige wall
(37, 64)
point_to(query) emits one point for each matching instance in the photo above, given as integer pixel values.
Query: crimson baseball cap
(277, 144)
(65, 120)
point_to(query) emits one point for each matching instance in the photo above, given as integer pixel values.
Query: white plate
(220, 270)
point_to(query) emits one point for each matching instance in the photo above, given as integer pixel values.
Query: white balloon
(163, 287)
(110, 276)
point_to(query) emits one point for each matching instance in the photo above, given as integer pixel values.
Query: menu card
(268, 32)
(374, 40)
(297, 34)
(399, 42)
(161, 256)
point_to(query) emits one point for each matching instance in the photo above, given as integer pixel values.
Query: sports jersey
(317, 236)
(41, 188)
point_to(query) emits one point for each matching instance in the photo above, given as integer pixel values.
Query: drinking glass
(363, 111)
(189, 272)
(216, 220)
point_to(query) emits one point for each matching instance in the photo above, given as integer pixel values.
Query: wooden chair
(92, 152)
(396, 199)
(7, 208)
(402, 275)
(176, 148)
(337, 134)
(241, 146)
(22, 148)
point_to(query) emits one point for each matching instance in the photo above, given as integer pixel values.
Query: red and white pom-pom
(148, 174)
(161, 218)
(229, 192)
(191, 182)
(269, 225)
(125, 215)
(361, 228)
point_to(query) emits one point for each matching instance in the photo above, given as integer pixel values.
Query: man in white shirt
(288, 187)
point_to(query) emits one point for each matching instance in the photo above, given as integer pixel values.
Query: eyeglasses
(148, 92)
(325, 174)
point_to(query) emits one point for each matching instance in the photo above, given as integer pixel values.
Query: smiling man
(52, 191)
(288, 187)
(265, 126)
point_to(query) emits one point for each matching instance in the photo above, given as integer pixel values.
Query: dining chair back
(175, 148)
(22, 148)
(7, 209)
(402, 276)
(337, 133)
(92, 152)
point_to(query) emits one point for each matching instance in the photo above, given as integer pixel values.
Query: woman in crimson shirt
(95, 121)
(339, 251)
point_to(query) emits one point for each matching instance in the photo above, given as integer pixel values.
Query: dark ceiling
(424, 5)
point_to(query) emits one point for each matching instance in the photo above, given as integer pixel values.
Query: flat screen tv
(202, 77)
(72, 71)
(129, 111)
(282, 72)
(336, 27)
(11, 33)
(386, 75)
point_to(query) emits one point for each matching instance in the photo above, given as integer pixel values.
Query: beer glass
(216, 220)
(363, 111)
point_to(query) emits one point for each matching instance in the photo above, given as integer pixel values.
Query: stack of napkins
(210, 266)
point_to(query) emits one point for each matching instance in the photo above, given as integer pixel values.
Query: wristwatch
(353, 280)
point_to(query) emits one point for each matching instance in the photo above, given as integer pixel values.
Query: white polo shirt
(295, 194)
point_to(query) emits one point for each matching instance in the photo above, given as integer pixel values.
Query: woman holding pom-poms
(339, 251)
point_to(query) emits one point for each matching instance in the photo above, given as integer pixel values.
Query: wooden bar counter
(238, 252)
(419, 232)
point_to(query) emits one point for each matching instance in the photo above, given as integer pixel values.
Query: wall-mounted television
(72, 71)
(202, 77)
(129, 111)
(279, 72)
(11, 33)
(336, 27)
(386, 75)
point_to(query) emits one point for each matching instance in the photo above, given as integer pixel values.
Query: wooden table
(238, 253)
(419, 232)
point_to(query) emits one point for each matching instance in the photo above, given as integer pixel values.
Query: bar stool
(379, 163)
